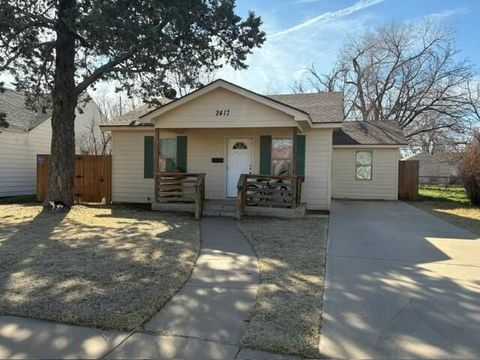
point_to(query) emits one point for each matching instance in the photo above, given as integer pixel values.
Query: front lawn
(109, 267)
(451, 204)
(287, 315)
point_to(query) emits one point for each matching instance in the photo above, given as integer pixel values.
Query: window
(240, 146)
(167, 160)
(282, 157)
(363, 165)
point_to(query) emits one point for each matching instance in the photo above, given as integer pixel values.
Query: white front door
(239, 161)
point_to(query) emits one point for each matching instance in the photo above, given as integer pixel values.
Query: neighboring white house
(225, 130)
(439, 168)
(28, 134)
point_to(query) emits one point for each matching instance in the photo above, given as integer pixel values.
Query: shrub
(470, 170)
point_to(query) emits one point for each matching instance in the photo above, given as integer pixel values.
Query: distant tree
(58, 49)
(470, 169)
(404, 72)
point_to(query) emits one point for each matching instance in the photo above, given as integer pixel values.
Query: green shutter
(300, 156)
(148, 157)
(265, 155)
(182, 153)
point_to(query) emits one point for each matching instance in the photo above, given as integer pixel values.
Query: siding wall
(18, 151)
(18, 166)
(318, 157)
(128, 184)
(384, 183)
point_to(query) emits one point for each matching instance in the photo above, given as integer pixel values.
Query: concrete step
(222, 213)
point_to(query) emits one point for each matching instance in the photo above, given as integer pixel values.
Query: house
(438, 168)
(28, 134)
(223, 131)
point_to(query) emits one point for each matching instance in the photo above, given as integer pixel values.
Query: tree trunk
(62, 158)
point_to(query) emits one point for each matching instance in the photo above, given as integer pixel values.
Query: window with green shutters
(276, 156)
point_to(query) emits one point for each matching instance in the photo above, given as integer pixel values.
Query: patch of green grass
(454, 193)
(287, 314)
(451, 204)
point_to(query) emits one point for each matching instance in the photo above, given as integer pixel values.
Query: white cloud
(448, 12)
(283, 59)
(288, 52)
(328, 17)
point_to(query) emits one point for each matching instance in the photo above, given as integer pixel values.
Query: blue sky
(305, 32)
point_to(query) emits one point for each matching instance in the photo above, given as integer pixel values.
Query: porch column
(155, 164)
(294, 159)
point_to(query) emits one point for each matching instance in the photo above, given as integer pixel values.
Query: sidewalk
(205, 320)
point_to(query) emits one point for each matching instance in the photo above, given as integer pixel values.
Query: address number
(224, 112)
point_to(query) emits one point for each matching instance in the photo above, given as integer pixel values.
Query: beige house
(296, 147)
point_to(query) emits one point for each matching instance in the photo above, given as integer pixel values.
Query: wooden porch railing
(181, 188)
(268, 191)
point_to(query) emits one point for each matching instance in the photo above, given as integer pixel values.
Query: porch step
(232, 214)
(225, 208)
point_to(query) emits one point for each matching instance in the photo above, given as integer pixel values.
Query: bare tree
(94, 141)
(184, 82)
(403, 72)
(111, 104)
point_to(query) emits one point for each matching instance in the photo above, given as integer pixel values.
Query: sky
(305, 32)
(302, 33)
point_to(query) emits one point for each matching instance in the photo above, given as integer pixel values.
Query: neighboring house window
(167, 160)
(363, 165)
(282, 157)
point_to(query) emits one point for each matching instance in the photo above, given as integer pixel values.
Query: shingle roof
(323, 107)
(369, 133)
(12, 103)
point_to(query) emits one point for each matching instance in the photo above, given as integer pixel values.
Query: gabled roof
(296, 113)
(369, 133)
(316, 108)
(12, 103)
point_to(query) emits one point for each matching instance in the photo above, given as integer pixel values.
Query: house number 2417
(225, 112)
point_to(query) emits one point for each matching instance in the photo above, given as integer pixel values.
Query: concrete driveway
(401, 283)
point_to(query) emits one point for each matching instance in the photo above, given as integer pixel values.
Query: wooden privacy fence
(408, 180)
(93, 178)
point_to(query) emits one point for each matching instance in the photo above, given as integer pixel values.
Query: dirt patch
(287, 315)
(109, 267)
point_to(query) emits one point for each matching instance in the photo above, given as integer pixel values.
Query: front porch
(257, 195)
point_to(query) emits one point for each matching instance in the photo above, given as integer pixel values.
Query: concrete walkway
(401, 283)
(205, 320)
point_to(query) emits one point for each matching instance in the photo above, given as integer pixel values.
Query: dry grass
(451, 204)
(287, 314)
(110, 267)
